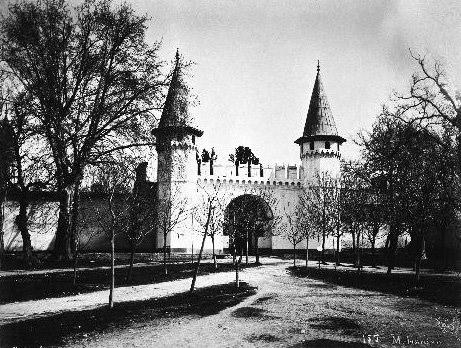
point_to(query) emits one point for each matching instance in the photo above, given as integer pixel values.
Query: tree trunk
(112, 268)
(130, 268)
(62, 246)
(338, 237)
(237, 283)
(21, 222)
(192, 254)
(73, 223)
(237, 280)
(393, 239)
(419, 256)
(246, 249)
(324, 233)
(294, 255)
(373, 251)
(194, 278)
(199, 258)
(359, 261)
(214, 254)
(165, 268)
(2, 214)
(74, 279)
(257, 250)
(112, 253)
(307, 252)
(322, 255)
(354, 247)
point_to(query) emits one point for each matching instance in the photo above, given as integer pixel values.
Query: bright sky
(256, 62)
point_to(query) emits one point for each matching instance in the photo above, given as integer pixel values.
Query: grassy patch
(54, 330)
(442, 289)
(58, 284)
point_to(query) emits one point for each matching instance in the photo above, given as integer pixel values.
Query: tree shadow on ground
(249, 312)
(326, 343)
(262, 338)
(440, 289)
(346, 325)
(55, 330)
(264, 299)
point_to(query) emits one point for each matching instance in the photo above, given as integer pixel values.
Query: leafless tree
(173, 212)
(142, 214)
(93, 84)
(7, 160)
(87, 229)
(321, 200)
(114, 216)
(215, 228)
(293, 230)
(31, 166)
(309, 218)
(432, 102)
(212, 201)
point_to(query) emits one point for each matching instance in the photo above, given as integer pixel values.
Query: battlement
(277, 175)
(325, 153)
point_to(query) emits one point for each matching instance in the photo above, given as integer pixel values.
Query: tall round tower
(177, 165)
(320, 142)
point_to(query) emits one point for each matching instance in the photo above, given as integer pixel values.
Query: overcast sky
(256, 62)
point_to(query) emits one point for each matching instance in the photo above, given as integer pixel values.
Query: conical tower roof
(320, 123)
(175, 116)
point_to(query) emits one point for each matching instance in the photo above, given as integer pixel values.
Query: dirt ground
(283, 310)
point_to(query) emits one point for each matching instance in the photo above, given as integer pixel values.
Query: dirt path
(298, 312)
(17, 311)
(286, 311)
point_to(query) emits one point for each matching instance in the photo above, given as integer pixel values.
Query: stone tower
(320, 142)
(177, 164)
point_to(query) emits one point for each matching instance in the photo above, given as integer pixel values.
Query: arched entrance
(247, 217)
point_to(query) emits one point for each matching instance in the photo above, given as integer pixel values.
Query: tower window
(193, 139)
(311, 145)
(327, 145)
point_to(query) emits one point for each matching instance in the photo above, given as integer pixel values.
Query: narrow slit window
(327, 145)
(311, 145)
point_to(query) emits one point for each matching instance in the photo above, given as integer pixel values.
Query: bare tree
(86, 232)
(215, 227)
(321, 200)
(212, 200)
(114, 215)
(293, 230)
(142, 214)
(432, 102)
(173, 211)
(7, 160)
(93, 83)
(31, 166)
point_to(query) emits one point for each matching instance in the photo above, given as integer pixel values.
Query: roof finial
(318, 66)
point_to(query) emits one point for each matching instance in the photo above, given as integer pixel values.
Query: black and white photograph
(233, 173)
